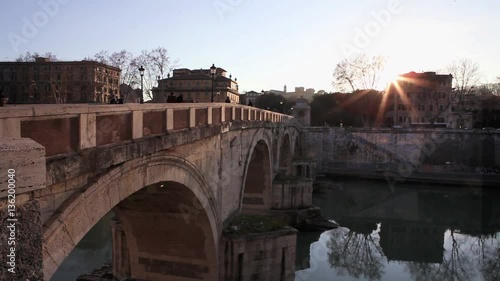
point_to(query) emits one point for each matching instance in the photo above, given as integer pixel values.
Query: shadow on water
(414, 232)
(91, 253)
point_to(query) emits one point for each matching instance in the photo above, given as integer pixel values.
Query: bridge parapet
(66, 128)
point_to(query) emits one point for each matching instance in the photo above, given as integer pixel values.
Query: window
(431, 108)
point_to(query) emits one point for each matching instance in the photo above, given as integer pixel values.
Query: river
(407, 232)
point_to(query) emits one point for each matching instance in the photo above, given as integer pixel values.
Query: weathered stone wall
(429, 151)
(85, 185)
(267, 256)
(22, 171)
(103, 161)
(21, 255)
(292, 193)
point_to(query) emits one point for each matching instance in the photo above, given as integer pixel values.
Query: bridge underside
(162, 233)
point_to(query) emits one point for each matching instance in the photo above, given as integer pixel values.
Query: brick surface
(113, 128)
(181, 119)
(154, 123)
(201, 117)
(66, 131)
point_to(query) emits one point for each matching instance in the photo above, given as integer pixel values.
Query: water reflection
(91, 253)
(356, 254)
(410, 233)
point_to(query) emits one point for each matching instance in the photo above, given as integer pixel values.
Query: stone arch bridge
(174, 175)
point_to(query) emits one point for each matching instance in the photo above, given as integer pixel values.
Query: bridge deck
(64, 128)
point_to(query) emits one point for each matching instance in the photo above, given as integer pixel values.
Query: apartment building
(44, 81)
(420, 99)
(196, 86)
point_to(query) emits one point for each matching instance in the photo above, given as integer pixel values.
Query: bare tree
(457, 264)
(124, 60)
(355, 254)
(156, 62)
(102, 57)
(466, 77)
(59, 86)
(358, 73)
(30, 57)
(160, 60)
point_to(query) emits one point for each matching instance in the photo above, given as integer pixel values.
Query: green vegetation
(245, 224)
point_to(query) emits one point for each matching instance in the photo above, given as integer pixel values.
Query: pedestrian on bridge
(171, 98)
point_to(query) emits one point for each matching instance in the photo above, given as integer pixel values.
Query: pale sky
(265, 44)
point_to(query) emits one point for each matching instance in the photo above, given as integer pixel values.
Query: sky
(265, 44)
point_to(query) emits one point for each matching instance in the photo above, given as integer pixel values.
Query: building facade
(300, 92)
(250, 96)
(44, 81)
(302, 111)
(420, 99)
(196, 86)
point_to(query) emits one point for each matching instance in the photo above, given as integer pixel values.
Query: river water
(406, 232)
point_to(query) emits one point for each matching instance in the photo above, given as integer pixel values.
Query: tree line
(157, 63)
(361, 105)
(356, 103)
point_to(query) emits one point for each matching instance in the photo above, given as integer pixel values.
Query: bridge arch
(81, 212)
(256, 191)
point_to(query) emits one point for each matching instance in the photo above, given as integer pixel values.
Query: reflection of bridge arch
(81, 212)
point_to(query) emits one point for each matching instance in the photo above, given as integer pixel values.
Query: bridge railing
(65, 128)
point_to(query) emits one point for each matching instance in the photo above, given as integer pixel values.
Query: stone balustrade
(66, 128)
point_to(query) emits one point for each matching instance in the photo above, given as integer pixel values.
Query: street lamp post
(212, 73)
(141, 72)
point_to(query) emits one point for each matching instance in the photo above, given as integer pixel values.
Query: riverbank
(462, 179)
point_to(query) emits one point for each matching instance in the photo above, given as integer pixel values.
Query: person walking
(180, 98)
